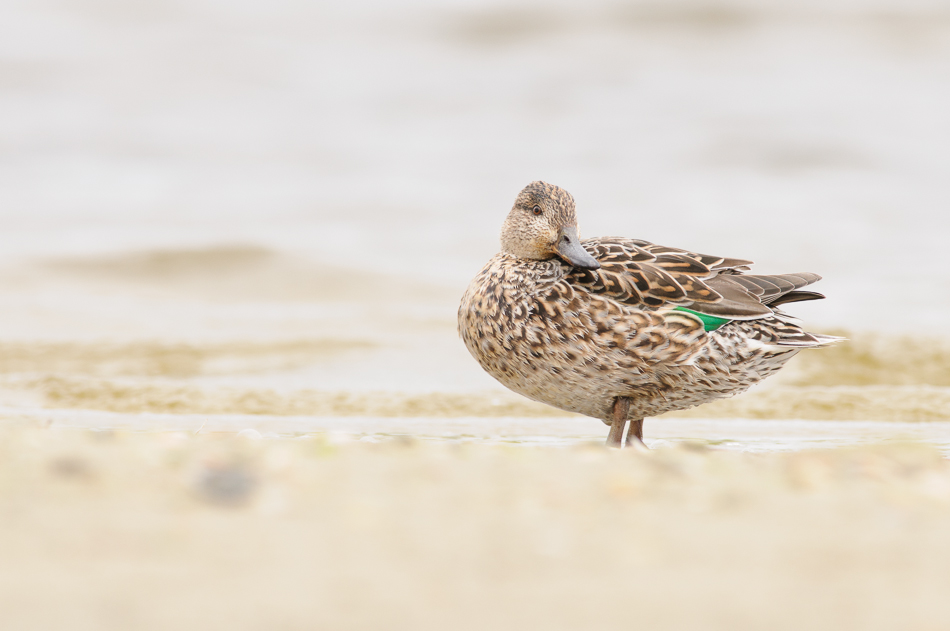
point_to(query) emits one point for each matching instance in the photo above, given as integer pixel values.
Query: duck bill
(569, 248)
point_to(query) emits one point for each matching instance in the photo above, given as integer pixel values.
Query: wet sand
(118, 530)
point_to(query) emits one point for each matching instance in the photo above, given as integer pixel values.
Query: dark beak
(569, 248)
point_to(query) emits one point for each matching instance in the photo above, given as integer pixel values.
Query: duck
(622, 329)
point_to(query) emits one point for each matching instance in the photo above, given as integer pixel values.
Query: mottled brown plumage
(598, 327)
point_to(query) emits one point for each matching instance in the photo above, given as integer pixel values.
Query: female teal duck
(622, 329)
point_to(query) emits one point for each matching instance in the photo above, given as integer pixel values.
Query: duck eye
(536, 210)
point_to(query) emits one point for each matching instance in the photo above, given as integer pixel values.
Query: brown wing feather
(637, 272)
(712, 262)
(796, 296)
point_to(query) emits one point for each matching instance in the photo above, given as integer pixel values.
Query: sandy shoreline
(118, 530)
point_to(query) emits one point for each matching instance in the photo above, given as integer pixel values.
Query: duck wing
(636, 272)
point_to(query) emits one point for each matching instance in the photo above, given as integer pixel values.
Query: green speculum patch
(710, 323)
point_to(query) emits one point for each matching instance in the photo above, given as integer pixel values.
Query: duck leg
(619, 420)
(635, 434)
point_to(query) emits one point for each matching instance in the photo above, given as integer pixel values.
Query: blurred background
(301, 191)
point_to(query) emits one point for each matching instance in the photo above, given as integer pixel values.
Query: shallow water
(253, 203)
(744, 435)
(386, 138)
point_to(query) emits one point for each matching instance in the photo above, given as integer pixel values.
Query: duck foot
(619, 421)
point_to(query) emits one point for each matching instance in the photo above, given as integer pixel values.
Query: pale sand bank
(116, 530)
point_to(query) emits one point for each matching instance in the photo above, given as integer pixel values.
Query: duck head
(543, 224)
